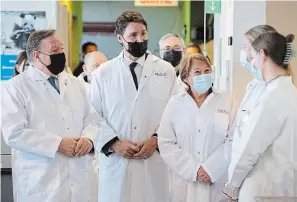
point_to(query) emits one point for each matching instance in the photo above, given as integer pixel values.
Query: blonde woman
(264, 154)
(195, 135)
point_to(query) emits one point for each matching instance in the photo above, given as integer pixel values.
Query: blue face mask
(257, 72)
(202, 83)
(243, 60)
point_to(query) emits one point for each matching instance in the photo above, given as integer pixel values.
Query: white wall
(237, 17)
(247, 14)
(160, 21)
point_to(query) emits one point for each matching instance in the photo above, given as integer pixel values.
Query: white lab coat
(86, 84)
(93, 161)
(132, 115)
(264, 155)
(34, 120)
(191, 137)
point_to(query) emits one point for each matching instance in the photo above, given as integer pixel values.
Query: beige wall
(283, 16)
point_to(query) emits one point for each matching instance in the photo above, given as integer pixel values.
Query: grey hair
(34, 41)
(166, 36)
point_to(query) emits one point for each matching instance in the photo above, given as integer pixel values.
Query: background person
(91, 62)
(86, 48)
(22, 63)
(172, 48)
(193, 48)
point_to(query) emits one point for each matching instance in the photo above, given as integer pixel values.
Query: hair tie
(290, 53)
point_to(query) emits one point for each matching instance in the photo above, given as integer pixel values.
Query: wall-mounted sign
(16, 26)
(212, 6)
(156, 3)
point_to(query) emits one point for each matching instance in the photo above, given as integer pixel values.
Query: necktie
(52, 81)
(132, 69)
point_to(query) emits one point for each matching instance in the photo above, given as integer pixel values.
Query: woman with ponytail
(264, 152)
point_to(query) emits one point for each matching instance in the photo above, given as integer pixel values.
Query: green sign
(213, 6)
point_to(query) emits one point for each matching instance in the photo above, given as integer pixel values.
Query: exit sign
(156, 3)
(213, 6)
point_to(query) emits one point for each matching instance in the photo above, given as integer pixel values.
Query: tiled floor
(6, 188)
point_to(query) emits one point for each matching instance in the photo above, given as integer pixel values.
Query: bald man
(92, 61)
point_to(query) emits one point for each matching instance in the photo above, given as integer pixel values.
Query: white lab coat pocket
(109, 161)
(159, 87)
(221, 122)
(39, 176)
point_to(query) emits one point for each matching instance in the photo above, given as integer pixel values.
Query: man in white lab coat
(130, 92)
(91, 62)
(46, 118)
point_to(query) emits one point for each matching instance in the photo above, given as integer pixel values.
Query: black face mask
(137, 49)
(57, 63)
(173, 57)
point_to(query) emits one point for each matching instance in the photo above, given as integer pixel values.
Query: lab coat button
(67, 128)
(135, 128)
(199, 131)
(198, 152)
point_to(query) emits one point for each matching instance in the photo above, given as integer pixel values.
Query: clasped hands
(134, 150)
(202, 176)
(75, 147)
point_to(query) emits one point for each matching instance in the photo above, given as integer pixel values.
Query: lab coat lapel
(62, 78)
(37, 77)
(148, 69)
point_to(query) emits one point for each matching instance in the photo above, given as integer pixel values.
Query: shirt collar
(45, 75)
(139, 61)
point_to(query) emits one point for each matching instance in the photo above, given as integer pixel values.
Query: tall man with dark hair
(85, 49)
(130, 92)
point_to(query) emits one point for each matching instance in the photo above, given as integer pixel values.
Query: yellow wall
(284, 21)
(186, 19)
(75, 30)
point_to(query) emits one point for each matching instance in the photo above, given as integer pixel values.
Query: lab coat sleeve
(218, 162)
(91, 119)
(262, 128)
(106, 132)
(178, 160)
(14, 126)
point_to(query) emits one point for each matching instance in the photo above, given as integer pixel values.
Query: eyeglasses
(169, 49)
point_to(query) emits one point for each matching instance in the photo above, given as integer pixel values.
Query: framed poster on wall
(16, 26)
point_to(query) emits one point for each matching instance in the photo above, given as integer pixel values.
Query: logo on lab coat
(160, 74)
(223, 111)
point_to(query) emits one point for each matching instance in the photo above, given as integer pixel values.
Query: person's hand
(83, 147)
(148, 148)
(202, 176)
(67, 146)
(125, 148)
